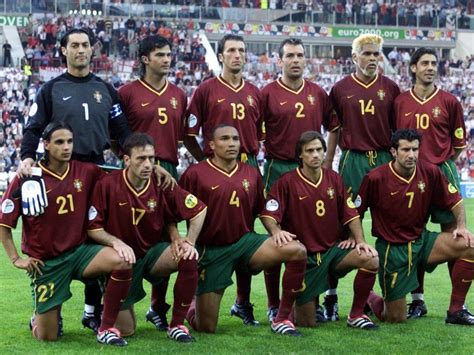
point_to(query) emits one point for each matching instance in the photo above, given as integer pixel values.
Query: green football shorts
(274, 168)
(439, 215)
(169, 167)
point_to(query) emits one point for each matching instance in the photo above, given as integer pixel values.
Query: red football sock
(377, 304)
(184, 290)
(191, 315)
(158, 295)
(420, 275)
(244, 282)
(451, 266)
(363, 284)
(463, 273)
(332, 281)
(115, 293)
(272, 284)
(293, 284)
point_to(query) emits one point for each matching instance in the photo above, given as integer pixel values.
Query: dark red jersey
(439, 119)
(138, 217)
(216, 102)
(399, 206)
(234, 200)
(365, 112)
(288, 113)
(315, 212)
(63, 225)
(160, 114)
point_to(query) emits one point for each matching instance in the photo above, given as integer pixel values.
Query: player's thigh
(207, 311)
(447, 248)
(126, 322)
(269, 254)
(306, 314)
(355, 261)
(395, 311)
(46, 325)
(106, 260)
(165, 265)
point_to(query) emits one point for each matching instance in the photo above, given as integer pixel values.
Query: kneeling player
(311, 204)
(54, 242)
(399, 195)
(233, 192)
(129, 206)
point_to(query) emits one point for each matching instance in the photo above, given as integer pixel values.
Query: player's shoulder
(112, 177)
(129, 87)
(250, 86)
(269, 87)
(404, 96)
(427, 167)
(379, 172)
(447, 96)
(207, 84)
(331, 175)
(175, 89)
(387, 81)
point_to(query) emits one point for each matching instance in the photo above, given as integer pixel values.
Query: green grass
(428, 335)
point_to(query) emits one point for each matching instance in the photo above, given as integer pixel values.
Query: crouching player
(55, 242)
(400, 195)
(311, 204)
(129, 206)
(233, 192)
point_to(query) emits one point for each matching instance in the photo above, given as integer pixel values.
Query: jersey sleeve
(330, 122)
(119, 129)
(182, 122)
(195, 114)
(446, 195)
(337, 116)
(347, 208)
(11, 205)
(362, 201)
(260, 128)
(98, 207)
(393, 113)
(458, 127)
(275, 204)
(182, 205)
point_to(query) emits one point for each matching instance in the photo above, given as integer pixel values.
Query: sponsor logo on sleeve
(459, 133)
(190, 201)
(272, 205)
(350, 204)
(92, 213)
(7, 206)
(192, 121)
(452, 189)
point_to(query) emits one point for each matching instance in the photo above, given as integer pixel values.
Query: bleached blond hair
(359, 42)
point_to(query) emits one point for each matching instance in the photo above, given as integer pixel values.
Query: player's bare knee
(296, 251)
(371, 263)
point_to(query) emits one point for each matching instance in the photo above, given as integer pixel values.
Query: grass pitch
(427, 335)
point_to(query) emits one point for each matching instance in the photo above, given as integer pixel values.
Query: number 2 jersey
(62, 226)
(138, 218)
(400, 206)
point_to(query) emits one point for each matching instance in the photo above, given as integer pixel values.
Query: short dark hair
(416, 57)
(291, 41)
(221, 125)
(228, 37)
(135, 140)
(406, 134)
(149, 44)
(307, 137)
(53, 127)
(65, 38)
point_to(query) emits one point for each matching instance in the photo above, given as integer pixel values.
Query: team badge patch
(436, 112)
(452, 189)
(192, 121)
(92, 213)
(174, 102)
(246, 184)
(78, 185)
(190, 201)
(7, 206)
(459, 133)
(272, 205)
(311, 99)
(350, 204)
(358, 201)
(250, 100)
(381, 94)
(331, 193)
(151, 203)
(421, 186)
(98, 97)
(33, 110)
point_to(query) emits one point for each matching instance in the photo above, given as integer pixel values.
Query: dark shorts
(399, 264)
(274, 168)
(318, 267)
(53, 287)
(438, 215)
(217, 263)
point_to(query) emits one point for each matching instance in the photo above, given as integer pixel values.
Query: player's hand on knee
(124, 251)
(349, 243)
(189, 252)
(34, 198)
(466, 235)
(31, 265)
(366, 248)
(24, 170)
(165, 179)
(282, 238)
(176, 249)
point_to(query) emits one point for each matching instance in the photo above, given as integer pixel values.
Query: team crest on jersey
(421, 186)
(311, 99)
(174, 102)
(78, 185)
(459, 133)
(151, 203)
(250, 100)
(190, 201)
(436, 112)
(98, 97)
(331, 193)
(381, 94)
(452, 189)
(350, 204)
(246, 184)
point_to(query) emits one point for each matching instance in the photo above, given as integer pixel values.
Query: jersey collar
(296, 92)
(152, 89)
(225, 83)
(308, 181)
(366, 86)
(57, 176)
(130, 186)
(420, 101)
(222, 171)
(401, 177)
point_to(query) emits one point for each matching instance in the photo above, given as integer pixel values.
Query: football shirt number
(320, 209)
(234, 199)
(300, 107)
(86, 111)
(66, 204)
(45, 292)
(410, 196)
(162, 114)
(422, 121)
(366, 108)
(137, 215)
(238, 111)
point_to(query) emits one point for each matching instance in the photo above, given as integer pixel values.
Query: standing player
(228, 99)
(301, 204)
(129, 206)
(291, 106)
(438, 116)
(55, 242)
(364, 105)
(233, 193)
(155, 106)
(400, 195)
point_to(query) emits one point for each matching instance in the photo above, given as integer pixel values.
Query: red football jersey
(315, 212)
(365, 112)
(138, 217)
(216, 102)
(400, 207)
(63, 224)
(288, 113)
(234, 200)
(439, 119)
(160, 114)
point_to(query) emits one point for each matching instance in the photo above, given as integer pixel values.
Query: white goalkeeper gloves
(33, 194)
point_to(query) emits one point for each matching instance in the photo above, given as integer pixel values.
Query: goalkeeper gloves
(33, 194)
